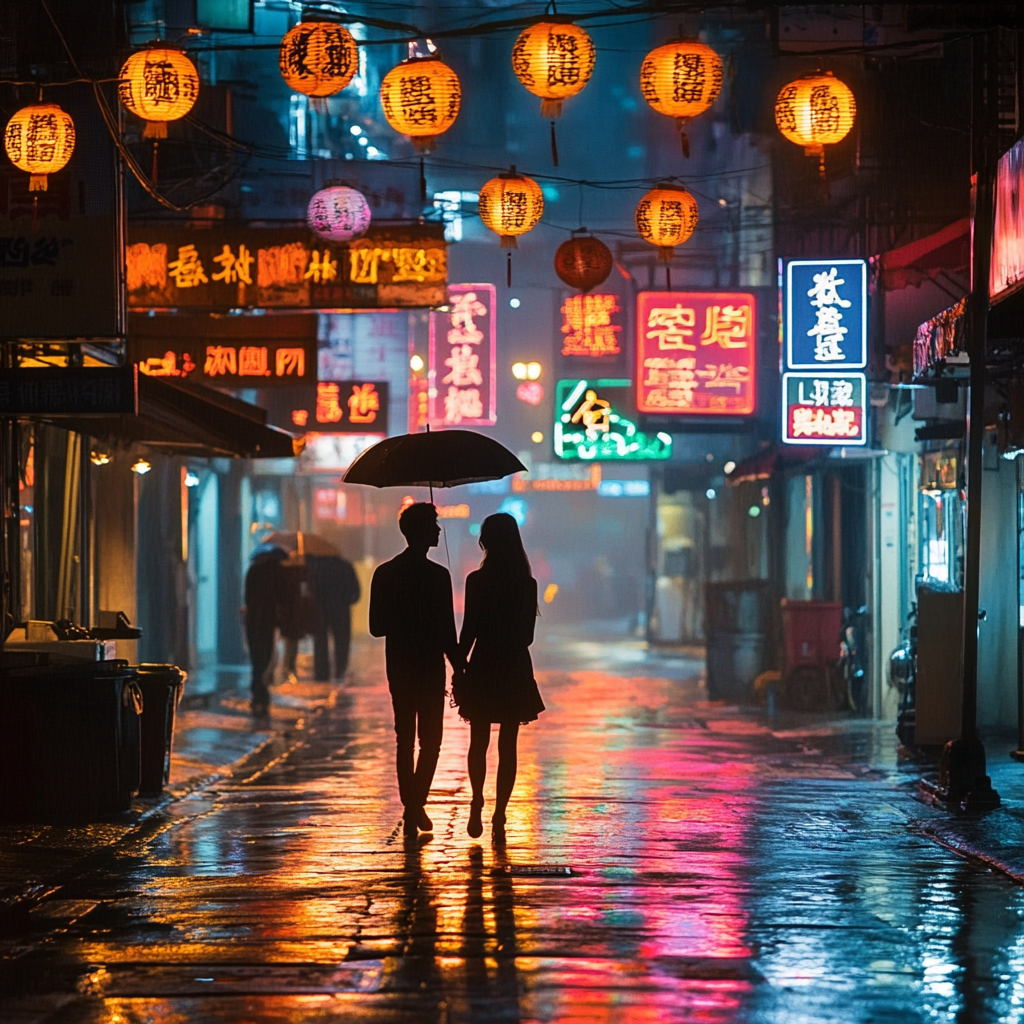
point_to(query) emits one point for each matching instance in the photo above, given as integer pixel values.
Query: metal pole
(962, 770)
(1018, 754)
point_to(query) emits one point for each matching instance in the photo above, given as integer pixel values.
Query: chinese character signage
(696, 353)
(825, 310)
(350, 407)
(234, 352)
(462, 358)
(591, 325)
(824, 408)
(241, 266)
(69, 391)
(590, 426)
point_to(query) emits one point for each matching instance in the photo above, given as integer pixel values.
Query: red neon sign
(697, 353)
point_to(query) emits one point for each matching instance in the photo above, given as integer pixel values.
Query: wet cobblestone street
(720, 868)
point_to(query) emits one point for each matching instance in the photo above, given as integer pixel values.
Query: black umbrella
(442, 458)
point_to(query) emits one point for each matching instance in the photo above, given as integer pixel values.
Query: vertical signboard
(591, 326)
(696, 353)
(462, 358)
(1007, 270)
(824, 351)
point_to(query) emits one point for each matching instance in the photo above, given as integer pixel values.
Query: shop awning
(761, 465)
(190, 419)
(947, 250)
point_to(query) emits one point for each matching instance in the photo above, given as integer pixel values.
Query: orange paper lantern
(681, 80)
(510, 205)
(318, 58)
(421, 98)
(40, 140)
(815, 111)
(158, 85)
(583, 262)
(554, 60)
(666, 217)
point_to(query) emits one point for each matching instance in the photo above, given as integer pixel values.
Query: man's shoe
(423, 822)
(409, 827)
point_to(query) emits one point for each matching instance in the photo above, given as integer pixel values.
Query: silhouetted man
(334, 587)
(411, 605)
(262, 597)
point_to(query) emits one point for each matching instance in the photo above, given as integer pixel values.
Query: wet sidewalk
(667, 859)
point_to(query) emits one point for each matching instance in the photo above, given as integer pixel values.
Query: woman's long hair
(503, 547)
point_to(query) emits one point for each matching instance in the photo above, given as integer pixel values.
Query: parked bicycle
(852, 644)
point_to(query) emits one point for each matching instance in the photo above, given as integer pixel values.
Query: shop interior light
(141, 466)
(519, 371)
(99, 458)
(416, 363)
(728, 467)
(533, 371)
(191, 480)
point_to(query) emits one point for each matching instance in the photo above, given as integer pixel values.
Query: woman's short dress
(499, 686)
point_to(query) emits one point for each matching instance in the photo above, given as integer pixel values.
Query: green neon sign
(589, 427)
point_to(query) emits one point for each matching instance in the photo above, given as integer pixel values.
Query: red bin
(812, 631)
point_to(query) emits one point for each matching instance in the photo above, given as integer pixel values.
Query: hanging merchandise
(158, 85)
(338, 213)
(510, 205)
(40, 140)
(814, 112)
(583, 262)
(681, 80)
(421, 99)
(318, 57)
(554, 60)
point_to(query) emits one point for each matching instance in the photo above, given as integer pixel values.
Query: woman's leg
(508, 738)
(479, 739)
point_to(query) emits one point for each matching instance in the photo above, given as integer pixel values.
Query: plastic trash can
(162, 687)
(69, 741)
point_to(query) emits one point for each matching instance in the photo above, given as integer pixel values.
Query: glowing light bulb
(519, 371)
(416, 363)
(536, 437)
(533, 371)
(141, 466)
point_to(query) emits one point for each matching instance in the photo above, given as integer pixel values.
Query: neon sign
(346, 407)
(697, 353)
(588, 425)
(824, 408)
(589, 325)
(462, 358)
(825, 315)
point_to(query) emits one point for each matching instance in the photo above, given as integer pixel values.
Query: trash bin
(162, 687)
(737, 617)
(811, 630)
(69, 740)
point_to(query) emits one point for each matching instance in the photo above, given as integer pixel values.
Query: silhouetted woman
(498, 688)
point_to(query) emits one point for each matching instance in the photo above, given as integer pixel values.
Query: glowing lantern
(338, 213)
(815, 112)
(681, 80)
(554, 60)
(421, 99)
(583, 262)
(40, 140)
(666, 217)
(511, 205)
(158, 85)
(318, 58)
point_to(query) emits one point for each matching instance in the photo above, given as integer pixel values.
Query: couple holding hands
(411, 606)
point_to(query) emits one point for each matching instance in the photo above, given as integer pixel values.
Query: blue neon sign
(825, 310)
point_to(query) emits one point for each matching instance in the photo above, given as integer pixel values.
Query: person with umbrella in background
(261, 612)
(411, 606)
(334, 588)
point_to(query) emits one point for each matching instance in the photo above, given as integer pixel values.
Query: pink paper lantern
(338, 213)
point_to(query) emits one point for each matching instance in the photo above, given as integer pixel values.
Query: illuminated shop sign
(624, 488)
(334, 453)
(824, 408)
(557, 477)
(1008, 230)
(825, 314)
(697, 353)
(462, 358)
(338, 505)
(259, 364)
(591, 325)
(240, 266)
(347, 406)
(589, 426)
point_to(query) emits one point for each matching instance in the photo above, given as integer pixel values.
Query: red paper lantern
(583, 262)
